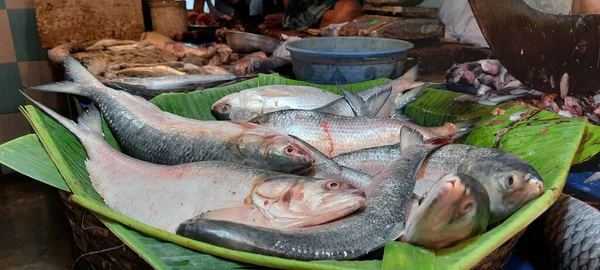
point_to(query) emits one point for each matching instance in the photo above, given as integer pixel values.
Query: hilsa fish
(250, 103)
(149, 134)
(509, 180)
(286, 203)
(163, 196)
(382, 219)
(455, 208)
(334, 134)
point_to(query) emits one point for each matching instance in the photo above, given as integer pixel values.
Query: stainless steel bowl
(242, 42)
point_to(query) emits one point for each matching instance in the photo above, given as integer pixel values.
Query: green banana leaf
(436, 107)
(534, 139)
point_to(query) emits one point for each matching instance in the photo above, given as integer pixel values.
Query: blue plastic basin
(331, 60)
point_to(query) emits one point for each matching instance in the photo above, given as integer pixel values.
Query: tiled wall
(22, 63)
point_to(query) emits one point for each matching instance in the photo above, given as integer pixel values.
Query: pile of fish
(296, 172)
(157, 64)
(488, 82)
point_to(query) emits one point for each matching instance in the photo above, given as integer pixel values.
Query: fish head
(301, 202)
(510, 182)
(241, 106)
(273, 151)
(455, 208)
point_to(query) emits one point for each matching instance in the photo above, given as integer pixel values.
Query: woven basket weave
(91, 236)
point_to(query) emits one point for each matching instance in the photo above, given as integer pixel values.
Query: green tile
(10, 97)
(2, 4)
(25, 35)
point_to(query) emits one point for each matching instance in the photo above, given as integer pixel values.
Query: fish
(457, 207)
(566, 236)
(381, 219)
(335, 134)
(182, 50)
(103, 43)
(214, 70)
(150, 134)
(250, 103)
(285, 203)
(509, 180)
(163, 196)
(387, 107)
(153, 86)
(267, 65)
(155, 71)
(59, 53)
(242, 66)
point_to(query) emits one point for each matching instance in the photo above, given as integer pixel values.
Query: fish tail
(412, 74)
(90, 123)
(83, 84)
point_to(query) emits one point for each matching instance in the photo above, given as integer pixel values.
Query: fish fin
(81, 78)
(91, 119)
(356, 103)
(374, 104)
(592, 178)
(412, 74)
(403, 99)
(67, 123)
(319, 157)
(409, 137)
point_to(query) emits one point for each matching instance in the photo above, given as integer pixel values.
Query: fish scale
(335, 134)
(571, 234)
(381, 220)
(150, 134)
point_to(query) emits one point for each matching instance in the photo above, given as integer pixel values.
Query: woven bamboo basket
(98, 248)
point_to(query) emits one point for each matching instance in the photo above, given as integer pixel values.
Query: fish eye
(290, 150)
(332, 185)
(511, 180)
(226, 108)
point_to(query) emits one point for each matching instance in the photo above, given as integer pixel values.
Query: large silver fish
(457, 207)
(509, 180)
(149, 134)
(150, 87)
(249, 103)
(286, 203)
(382, 219)
(335, 134)
(163, 196)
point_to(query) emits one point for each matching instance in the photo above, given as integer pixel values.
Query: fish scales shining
(382, 219)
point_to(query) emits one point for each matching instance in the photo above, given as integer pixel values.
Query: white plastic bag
(460, 22)
(281, 51)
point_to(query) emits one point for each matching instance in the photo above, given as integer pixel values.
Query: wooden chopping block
(78, 21)
(397, 11)
(411, 28)
(364, 25)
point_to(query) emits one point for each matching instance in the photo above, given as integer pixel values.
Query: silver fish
(456, 208)
(286, 203)
(335, 134)
(509, 180)
(249, 103)
(148, 133)
(382, 219)
(164, 196)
